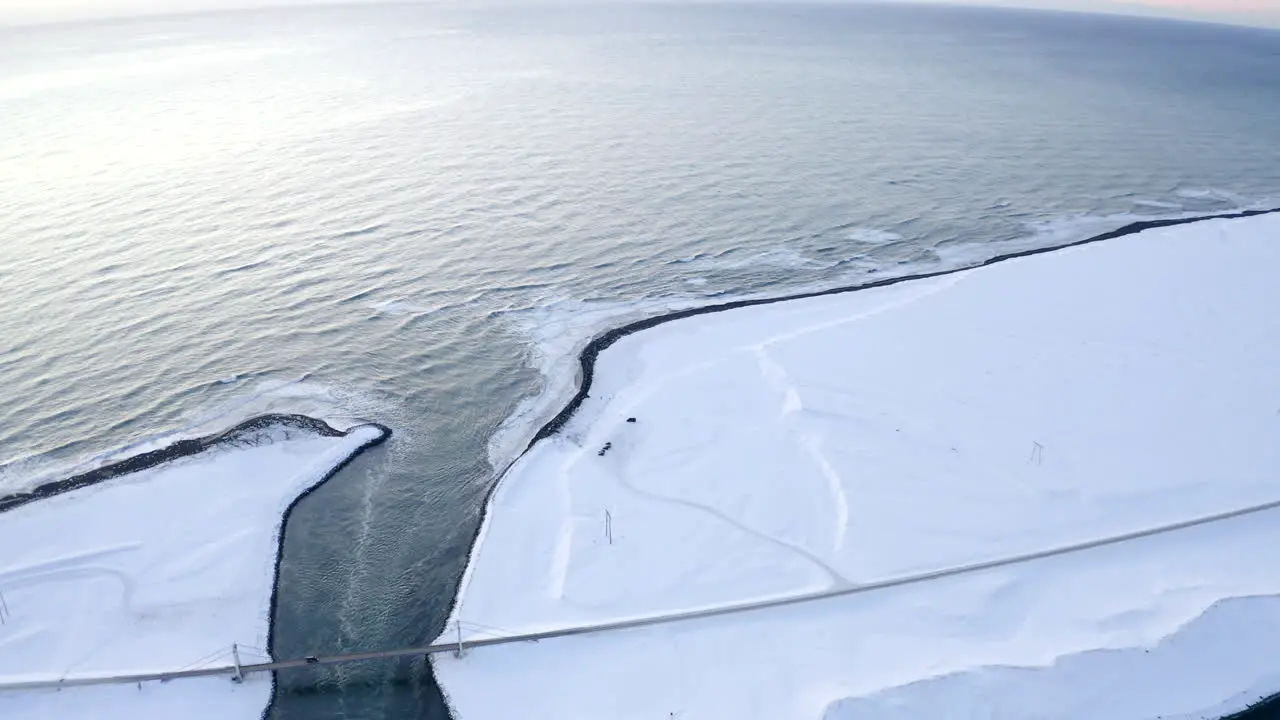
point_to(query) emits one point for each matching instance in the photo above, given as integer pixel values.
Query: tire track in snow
(837, 580)
(777, 377)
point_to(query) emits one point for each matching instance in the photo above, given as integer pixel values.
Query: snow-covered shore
(158, 569)
(844, 439)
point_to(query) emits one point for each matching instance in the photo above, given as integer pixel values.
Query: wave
(881, 252)
(1211, 194)
(1049, 233)
(561, 330)
(1158, 204)
(398, 307)
(567, 328)
(556, 330)
(784, 257)
(872, 236)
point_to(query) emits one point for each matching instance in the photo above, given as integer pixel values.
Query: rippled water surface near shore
(412, 214)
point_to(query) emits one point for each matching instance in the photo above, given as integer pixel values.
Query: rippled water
(406, 213)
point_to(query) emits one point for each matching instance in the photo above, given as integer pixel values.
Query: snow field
(157, 570)
(852, 438)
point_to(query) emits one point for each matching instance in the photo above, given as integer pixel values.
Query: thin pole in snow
(458, 652)
(4, 608)
(235, 657)
(608, 526)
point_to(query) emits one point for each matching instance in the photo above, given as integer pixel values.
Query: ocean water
(414, 214)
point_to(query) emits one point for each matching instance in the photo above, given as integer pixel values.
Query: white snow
(157, 570)
(557, 330)
(823, 443)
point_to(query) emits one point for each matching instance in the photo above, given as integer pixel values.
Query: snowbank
(156, 570)
(839, 440)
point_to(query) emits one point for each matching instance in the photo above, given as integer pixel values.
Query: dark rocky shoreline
(240, 434)
(1266, 708)
(587, 358)
(237, 434)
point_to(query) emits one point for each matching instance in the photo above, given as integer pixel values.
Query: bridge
(237, 670)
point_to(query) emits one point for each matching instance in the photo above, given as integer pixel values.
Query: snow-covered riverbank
(831, 441)
(157, 570)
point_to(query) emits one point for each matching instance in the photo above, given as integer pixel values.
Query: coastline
(174, 451)
(325, 454)
(586, 358)
(586, 364)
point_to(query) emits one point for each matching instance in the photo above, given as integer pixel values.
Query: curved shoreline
(587, 356)
(194, 446)
(174, 451)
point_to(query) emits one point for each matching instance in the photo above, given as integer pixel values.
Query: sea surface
(414, 214)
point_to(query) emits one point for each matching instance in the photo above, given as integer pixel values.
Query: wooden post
(235, 657)
(1037, 453)
(458, 652)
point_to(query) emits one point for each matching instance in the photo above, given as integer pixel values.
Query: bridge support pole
(235, 657)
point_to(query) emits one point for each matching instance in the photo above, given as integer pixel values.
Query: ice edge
(587, 358)
(193, 446)
(175, 451)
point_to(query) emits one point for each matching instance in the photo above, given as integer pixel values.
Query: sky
(1246, 12)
